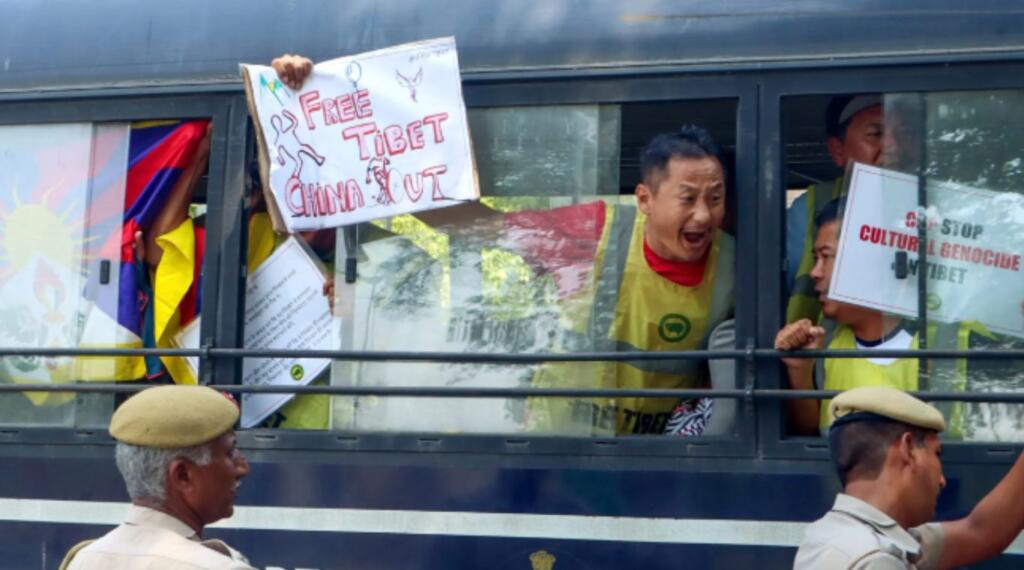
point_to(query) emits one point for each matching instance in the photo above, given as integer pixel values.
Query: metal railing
(750, 355)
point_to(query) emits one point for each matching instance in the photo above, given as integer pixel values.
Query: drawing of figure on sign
(379, 172)
(298, 148)
(410, 84)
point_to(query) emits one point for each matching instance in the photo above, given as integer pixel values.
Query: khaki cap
(170, 417)
(886, 402)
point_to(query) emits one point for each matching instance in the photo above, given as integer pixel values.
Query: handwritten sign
(284, 309)
(368, 136)
(974, 248)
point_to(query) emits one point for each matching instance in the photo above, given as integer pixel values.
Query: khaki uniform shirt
(154, 540)
(856, 536)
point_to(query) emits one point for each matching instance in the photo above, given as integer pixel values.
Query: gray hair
(145, 468)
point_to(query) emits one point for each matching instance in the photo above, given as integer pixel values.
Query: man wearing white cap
(886, 450)
(176, 451)
(856, 133)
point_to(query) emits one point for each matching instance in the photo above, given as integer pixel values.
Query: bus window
(98, 251)
(867, 226)
(543, 263)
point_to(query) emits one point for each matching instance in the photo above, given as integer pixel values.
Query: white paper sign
(975, 243)
(284, 309)
(368, 136)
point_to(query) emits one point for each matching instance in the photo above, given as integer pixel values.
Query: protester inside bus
(176, 451)
(665, 282)
(170, 244)
(161, 245)
(886, 450)
(855, 134)
(853, 327)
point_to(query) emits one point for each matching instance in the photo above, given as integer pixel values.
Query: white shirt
(154, 540)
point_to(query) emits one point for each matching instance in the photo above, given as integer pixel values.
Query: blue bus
(414, 449)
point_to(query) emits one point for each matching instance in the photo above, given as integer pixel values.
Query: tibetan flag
(159, 152)
(61, 199)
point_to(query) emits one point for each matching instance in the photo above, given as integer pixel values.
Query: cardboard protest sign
(368, 136)
(974, 248)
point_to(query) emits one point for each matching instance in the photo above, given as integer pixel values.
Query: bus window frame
(949, 76)
(528, 91)
(225, 190)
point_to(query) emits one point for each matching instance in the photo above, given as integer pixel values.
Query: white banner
(975, 242)
(368, 136)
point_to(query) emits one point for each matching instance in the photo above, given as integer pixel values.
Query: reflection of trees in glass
(976, 138)
(407, 279)
(427, 240)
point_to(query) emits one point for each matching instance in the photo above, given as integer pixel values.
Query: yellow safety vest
(902, 374)
(634, 309)
(803, 302)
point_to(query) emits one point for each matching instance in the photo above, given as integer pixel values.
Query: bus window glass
(98, 251)
(854, 238)
(550, 260)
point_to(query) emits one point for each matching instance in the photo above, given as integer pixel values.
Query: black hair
(690, 142)
(859, 448)
(831, 212)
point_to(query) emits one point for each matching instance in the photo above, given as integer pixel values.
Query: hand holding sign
(364, 137)
(292, 70)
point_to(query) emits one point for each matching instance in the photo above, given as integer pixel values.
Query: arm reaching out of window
(175, 210)
(801, 335)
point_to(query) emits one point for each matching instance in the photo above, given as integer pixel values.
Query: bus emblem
(542, 560)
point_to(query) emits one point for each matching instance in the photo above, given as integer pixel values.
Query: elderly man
(886, 450)
(176, 451)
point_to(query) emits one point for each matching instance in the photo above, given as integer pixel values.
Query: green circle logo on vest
(674, 327)
(933, 302)
(297, 372)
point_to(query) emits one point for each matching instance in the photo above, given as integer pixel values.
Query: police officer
(886, 450)
(176, 451)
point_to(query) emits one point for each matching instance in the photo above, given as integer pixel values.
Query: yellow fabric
(171, 282)
(304, 411)
(902, 374)
(848, 373)
(105, 368)
(644, 300)
(64, 370)
(801, 305)
(262, 240)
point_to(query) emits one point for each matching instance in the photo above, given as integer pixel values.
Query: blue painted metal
(121, 42)
(775, 491)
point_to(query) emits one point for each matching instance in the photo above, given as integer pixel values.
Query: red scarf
(685, 273)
